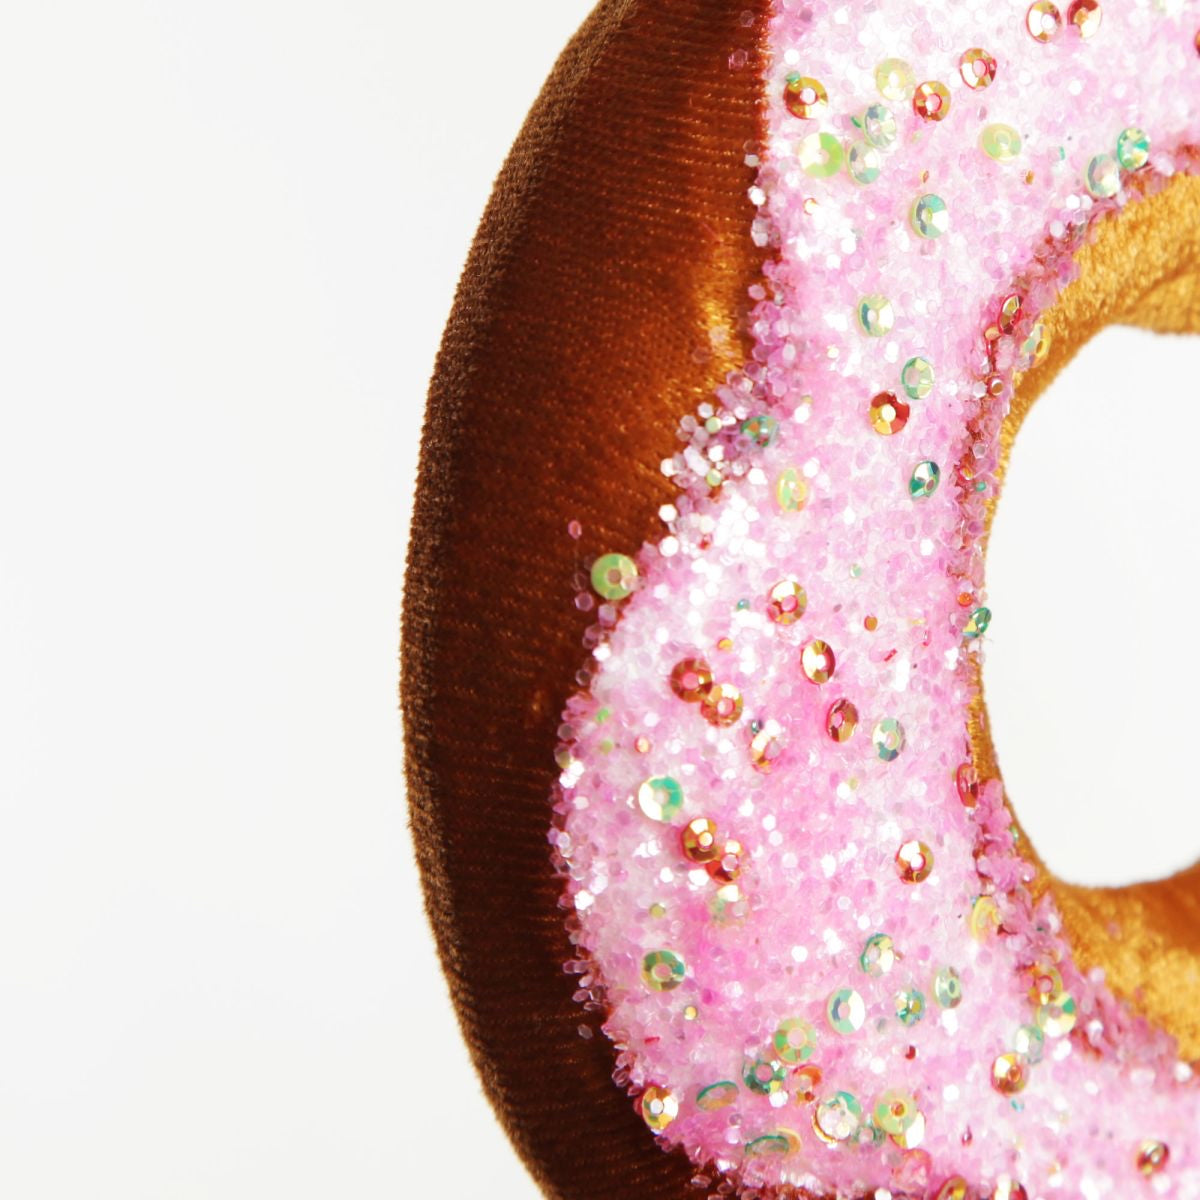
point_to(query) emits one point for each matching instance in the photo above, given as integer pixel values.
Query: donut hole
(1091, 668)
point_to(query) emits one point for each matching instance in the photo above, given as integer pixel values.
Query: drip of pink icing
(821, 827)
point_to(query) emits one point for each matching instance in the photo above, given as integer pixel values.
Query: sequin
(977, 68)
(614, 576)
(1057, 1017)
(1008, 1188)
(909, 1006)
(1001, 142)
(895, 1111)
(878, 125)
(726, 865)
(699, 841)
(863, 162)
(929, 216)
(1035, 347)
(1152, 1157)
(931, 101)
(763, 1075)
(916, 378)
(660, 797)
(947, 988)
(817, 661)
(791, 492)
(1103, 176)
(876, 317)
(925, 478)
(658, 1107)
(838, 1118)
(1011, 309)
(769, 1145)
(846, 1011)
(1043, 20)
(841, 720)
(1084, 17)
(717, 1096)
(805, 97)
(913, 1136)
(786, 602)
(1133, 148)
(966, 782)
(690, 679)
(663, 970)
(978, 623)
(1045, 982)
(805, 1082)
(728, 905)
(795, 1041)
(894, 78)
(1009, 1074)
(954, 1188)
(722, 704)
(820, 154)
(765, 747)
(1030, 1042)
(889, 414)
(761, 429)
(878, 956)
(984, 919)
(914, 862)
(888, 739)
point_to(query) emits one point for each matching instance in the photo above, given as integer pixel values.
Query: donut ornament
(696, 595)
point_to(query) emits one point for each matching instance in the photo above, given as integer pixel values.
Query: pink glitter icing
(822, 824)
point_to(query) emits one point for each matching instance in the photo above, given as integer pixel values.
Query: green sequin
(1133, 148)
(929, 216)
(614, 576)
(925, 478)
(820, 155)
(1001, 142)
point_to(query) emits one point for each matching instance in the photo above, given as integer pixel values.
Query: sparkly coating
(817, 951)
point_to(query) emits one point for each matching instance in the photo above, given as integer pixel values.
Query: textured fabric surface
(614, 246)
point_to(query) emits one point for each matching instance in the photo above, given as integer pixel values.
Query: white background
(230, 235)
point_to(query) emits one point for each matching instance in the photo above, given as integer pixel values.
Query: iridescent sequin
(888, 739)
(888, 413)
(947, 988)
(931, 100)
(929, 216)
(663, 970)
(908, 1005)
(1084, 17)
(795, 1041)
(894, 78)
(658, 1108)
(916, 378)
(660, 797)
(1043, 21)
(722, 704)
(690, 679)
(977, 68)
(820, 154)
(914, 862)
(786, 602)
(1001, 142)
(614, 576)
(841, 720)
(1009, 1074)
(717, 1096)
(846, 1011)
(838, 1118)
(895, 1111)
(1152, 1157)
(864, 162)
(817, 661)
(878, 955)
(878, 125)
(1103, 176)
(924, 480)
(804, 96)
(1133, 148)
(699, 841)
(876, 316)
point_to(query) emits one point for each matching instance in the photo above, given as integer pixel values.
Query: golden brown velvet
(614, 242)
(616, 239)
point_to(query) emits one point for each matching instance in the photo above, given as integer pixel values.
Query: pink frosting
(894, 586)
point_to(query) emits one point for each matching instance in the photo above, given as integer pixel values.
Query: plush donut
(696, 591)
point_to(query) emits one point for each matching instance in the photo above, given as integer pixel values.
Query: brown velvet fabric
(603, 298)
